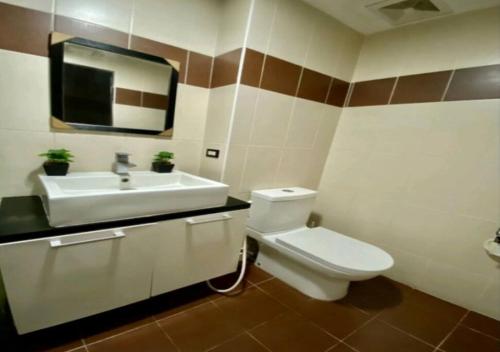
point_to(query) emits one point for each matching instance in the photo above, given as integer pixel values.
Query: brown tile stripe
(252, 68)
(133, 97)
(225, 69)
(154, 101)
(475, 83)
(24, 30)
(314, 86)
(90, 31)
(280, 76)
(421, 88)
(125, 96)
(338, 92)
(199, 70)
(375, 92)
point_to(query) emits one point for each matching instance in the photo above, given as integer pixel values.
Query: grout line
(407, 333)
(258, 341)
(330, 86)
(438, 347)
(212, 63)
(186, 68)
(360, 327)
(347, 99)
(480, 332)
(167, 336)
(183, 311)
(131, 25)
(264, 281)
(448, 85)
(120, 333)
(393, 91)
(211, 348)
(53, 15)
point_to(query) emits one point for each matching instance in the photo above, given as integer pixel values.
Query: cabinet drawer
(198, 248)
(58, 279)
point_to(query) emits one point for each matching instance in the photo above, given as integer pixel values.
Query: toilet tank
(280, 209)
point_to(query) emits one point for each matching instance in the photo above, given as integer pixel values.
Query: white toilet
(316, 261)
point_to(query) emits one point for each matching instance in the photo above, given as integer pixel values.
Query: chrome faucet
(121, 168)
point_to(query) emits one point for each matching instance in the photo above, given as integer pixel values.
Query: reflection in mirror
(113, 89)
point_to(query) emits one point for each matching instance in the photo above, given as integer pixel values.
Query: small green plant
(58, 156)
(164, 157)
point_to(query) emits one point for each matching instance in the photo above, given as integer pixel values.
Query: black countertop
(23, 218)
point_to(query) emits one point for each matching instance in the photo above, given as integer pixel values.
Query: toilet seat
(336, 251)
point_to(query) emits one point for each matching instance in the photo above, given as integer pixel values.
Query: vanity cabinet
(58, 279)
(53, 280)
(198, 248)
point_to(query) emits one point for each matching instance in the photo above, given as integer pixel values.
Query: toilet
(316, 261)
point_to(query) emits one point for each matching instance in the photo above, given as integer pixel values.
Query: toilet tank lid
(284, 194)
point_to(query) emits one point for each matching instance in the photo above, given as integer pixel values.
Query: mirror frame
(56, 82)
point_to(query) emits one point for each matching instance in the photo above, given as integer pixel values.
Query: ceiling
(356, 15)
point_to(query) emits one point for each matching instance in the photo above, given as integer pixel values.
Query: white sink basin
(89, 197)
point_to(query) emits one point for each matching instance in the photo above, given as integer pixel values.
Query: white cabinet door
(196, 249)
(54, 280)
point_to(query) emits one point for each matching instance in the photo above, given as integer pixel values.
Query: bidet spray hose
(242, 272)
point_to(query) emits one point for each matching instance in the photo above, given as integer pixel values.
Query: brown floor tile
(341, 347)
(200, 328)
(285, 294)
(242, 343)
(483, 324)
(256, 275)
(377, 294)
(116, 321)
(424, 316)
(148, 338)
(379, 337)
(466, 340)
(291, 332)
(250, 308)
(180, 300)
(337, 318)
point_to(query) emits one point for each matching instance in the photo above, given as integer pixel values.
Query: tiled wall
(277, 112)
(180, 30)
(420, 176)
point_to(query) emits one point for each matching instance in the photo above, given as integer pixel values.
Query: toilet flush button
(288, 190)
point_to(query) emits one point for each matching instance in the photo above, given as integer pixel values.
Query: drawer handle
(223, 217)
(115, 235)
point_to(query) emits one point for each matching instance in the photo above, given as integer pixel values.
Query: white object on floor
(493, 249)
(317, 261)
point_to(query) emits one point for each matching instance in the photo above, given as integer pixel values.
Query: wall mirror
(101, 87)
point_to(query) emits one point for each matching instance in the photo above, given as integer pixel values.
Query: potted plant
(163, 162)
(57, 162)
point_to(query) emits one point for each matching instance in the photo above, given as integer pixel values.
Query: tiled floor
(267, 315)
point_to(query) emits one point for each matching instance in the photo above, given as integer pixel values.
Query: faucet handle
(122, 157)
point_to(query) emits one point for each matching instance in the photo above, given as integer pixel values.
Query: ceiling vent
(406, 11)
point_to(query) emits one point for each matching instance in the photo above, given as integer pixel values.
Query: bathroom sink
(89, 197)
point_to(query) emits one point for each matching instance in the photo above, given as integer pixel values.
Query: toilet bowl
(316, 261)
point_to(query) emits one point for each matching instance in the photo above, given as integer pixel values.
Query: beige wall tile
(304, 124)
(260, 168)
(115, 14)
(219, 114)
(24, 87)
(40, 5)
(232, 25)
(187, 156)
(465, 40)
(291, 31)
(271, 119)
(210, 167)
(189, 24)
(20, 161)
(294, 168)
(236, 158)
(244, 114)
(261, 24)
(333, 49)
(488, 302)
(191, 112)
